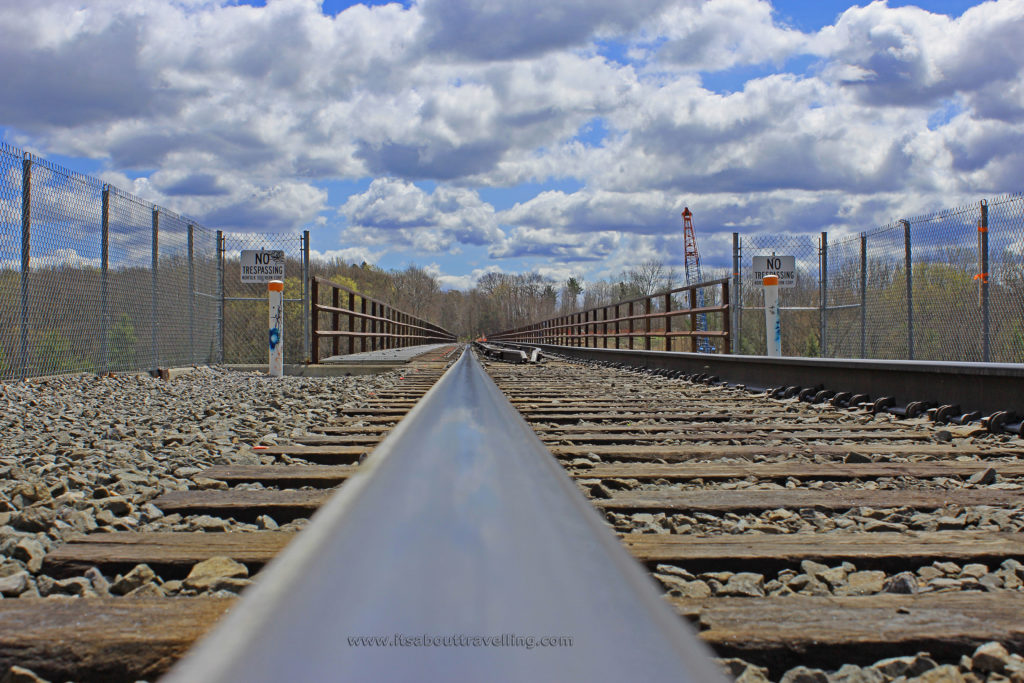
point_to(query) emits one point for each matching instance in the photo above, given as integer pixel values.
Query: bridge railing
(654, 322)
(364, 323)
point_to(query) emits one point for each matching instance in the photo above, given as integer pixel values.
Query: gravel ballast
(88, 454)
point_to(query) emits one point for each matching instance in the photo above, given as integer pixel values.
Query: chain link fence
(799, 304)
(944, 286)
(93, 279)
(245, 303)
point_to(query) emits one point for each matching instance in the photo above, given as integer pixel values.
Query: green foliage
(121, 341)
(812, 346)
(53, 355)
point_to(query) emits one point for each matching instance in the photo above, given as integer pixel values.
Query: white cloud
(241, 116)
(349, 255)
(720, 34)
(460, 282)
(500, 30)
(908, 56)
(400, 214)
(54, 259)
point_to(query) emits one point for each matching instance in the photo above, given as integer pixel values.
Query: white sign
(262, 265)
(784, 267)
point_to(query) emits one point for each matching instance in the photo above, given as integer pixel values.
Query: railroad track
(790, 534)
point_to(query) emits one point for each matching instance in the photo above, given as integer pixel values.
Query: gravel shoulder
(87, 454)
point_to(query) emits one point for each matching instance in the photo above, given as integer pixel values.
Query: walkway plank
(821, 631)
(244, 505)
(682, 453)
(319, 476)
(170, 554)
(835, 499)
(325, 455)
(771, 552)
(796, 470)
(800, 436)
(173, 554)
(103, 639)
(120, 639)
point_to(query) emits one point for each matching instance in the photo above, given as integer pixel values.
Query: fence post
(351, 323)
(632, 324)
(362, 325)
(153, 289)
(191, 294)
(647, 324)
(983, 279)
(335, 320)
(305, 296)
(275, 301)
(314, 340)
(726, 322)
(909, 270)
(863, 295)
(737, 292)
(693, 319)
(823, 296)
(220, 289)
(772, 322)
(668, 321)
(26, 251)
(104, 267)
(374, 341)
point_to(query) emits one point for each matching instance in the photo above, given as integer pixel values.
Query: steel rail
(986, 387)
(460, 525)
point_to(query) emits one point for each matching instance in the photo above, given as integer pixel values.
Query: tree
(571, 291)
(649, 277)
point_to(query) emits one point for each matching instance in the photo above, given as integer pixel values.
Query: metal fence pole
(737, 297)
(191, 294)
(983, 279)
(26, 242)
(863, 295)
(220, 291)
(909, 270)
(153, 289)
(823, 296)
(306, 348)
(104, 268)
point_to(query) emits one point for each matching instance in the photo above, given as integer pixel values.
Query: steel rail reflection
(460, 526)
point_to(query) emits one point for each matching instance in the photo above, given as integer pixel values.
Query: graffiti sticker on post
(782, 267)
(262, 265)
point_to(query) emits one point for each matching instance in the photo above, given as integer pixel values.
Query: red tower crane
(691, 259)
(691, 255)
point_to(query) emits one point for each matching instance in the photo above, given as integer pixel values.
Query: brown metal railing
(648, 318)
(366, 323)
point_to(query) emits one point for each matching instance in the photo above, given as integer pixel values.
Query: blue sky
(470, 136)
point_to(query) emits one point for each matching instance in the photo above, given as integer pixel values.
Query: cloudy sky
(562, 136)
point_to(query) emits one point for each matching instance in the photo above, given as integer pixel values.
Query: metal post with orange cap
(275, 296)
(772, 324)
